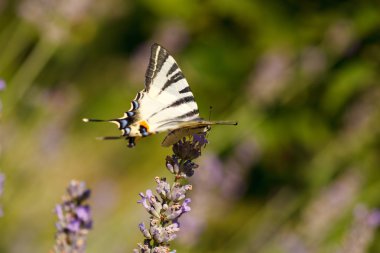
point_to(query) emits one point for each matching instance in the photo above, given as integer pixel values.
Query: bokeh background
(300, 173)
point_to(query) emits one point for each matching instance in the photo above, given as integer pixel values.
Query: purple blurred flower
(2, 87)
(374, 218)
(2, 84)
(362, 231)
(2, 179)
(74, 219)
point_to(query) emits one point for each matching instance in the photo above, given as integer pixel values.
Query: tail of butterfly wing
(122, 124)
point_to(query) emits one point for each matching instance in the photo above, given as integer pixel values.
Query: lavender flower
(2, 87)
(74, 219)
(170, 203)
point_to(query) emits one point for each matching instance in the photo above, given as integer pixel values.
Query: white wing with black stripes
(167, 97)
(166, 104)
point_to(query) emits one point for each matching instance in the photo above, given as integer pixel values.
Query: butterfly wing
(166, 99)
(167, 96)
(183, 129)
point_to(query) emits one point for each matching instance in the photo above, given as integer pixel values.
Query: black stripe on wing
(181, 101)
(185, 90)
(172, 80)
(187, 115)
(157, 59)
(172, 69)
(176, 103)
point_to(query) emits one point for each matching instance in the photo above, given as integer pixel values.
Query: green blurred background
(299, 174)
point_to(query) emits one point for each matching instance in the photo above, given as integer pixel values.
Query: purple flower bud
(144, 231)
(78, 190)
(200, 139)
(185, 205)
(73, 226)
(143, 201)
(172, 227)
(84, 215)
(155, 213)
(178, 192)
(186, 150)
(150, 203)
(170, 167)
(163, 188)
(157, 233)
(144, 248)
(172, 164)
(188, 168)
(174, 212)
(149, 193)
(59, 212)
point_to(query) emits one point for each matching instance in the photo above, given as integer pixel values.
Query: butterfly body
(165, 104)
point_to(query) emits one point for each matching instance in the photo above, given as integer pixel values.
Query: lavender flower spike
(170, 203)
(74, 219)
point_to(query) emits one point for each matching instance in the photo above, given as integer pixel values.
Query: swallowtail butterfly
(165, 104)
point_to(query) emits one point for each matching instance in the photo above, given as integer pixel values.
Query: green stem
(13, 41)
(28, 71)
(177, 177)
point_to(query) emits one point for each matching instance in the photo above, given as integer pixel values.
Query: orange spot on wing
(144, 124)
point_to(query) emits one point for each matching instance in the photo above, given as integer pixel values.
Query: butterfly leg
(131, 142)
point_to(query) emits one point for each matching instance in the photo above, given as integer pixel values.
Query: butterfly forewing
(167, 95)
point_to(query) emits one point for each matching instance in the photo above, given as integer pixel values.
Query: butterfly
(165, 104)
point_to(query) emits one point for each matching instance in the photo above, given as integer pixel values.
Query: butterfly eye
(143, 131)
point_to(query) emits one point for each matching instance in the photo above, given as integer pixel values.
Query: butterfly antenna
(102, 120)
(232, 123)
(209, 113)
(94, 120)
(109, 138)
